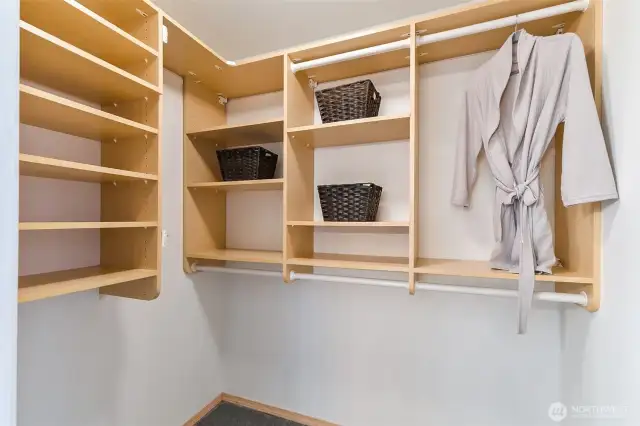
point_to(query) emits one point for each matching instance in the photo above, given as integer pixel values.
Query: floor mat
(227, 414)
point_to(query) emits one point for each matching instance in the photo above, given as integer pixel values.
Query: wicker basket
(247, 163)
(356, 202)
(349, 102)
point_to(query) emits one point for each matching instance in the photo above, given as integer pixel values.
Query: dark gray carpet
(227, 414)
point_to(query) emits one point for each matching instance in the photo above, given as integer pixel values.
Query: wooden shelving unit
(43, 286)
(207, 74)
(243, 185)
(33, 165)
(104, 63)
(55, 63)
(478, 269)
(186, 55)
(235, 135)
(81, 27)
(236, 255)
(368, 227)
(344, 261)
(48, 111)
(57, 226)
(352, 132)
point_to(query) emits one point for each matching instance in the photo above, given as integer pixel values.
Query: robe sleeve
(468, 147)
(586, 171)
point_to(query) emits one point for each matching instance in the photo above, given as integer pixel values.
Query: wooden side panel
(131, 249)
(299, 189)
(414, 159)
(145, 111)
(135, 248)
(139, 154)
(579, 228)
(204, 219)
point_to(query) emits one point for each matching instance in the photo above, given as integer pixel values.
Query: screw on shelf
(222, 100)
(141, 13)
(115, 140)
(218, 67)
(115, 183)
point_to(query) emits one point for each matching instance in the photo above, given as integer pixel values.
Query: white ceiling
(237, 29)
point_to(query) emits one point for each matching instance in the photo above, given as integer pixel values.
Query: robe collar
(500, 64)
(498, 69)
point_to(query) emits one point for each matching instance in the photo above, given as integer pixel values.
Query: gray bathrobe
(514, 114)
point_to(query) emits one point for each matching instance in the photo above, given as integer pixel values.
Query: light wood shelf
(43, 109)
(480, 269)
(241, 185)
(48, 60)
(344, 261)
(33, 165)
(52, 226)
(43, 286)
(187, 56)
(228, 136)
(352, 132)
(85, 29)
(236, 255)
(367, 227)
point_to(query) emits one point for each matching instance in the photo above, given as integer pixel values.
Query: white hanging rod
(574, 6)
(578, 299)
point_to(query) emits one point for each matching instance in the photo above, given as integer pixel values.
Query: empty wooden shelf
(83, 28)
(241, 185)
(187, 56)
(55, 63)
(345, 261)
(52, 226)
(32, 165)
(234, 135)
(352, 132)
(377, 227)
(480, 269)
(236, 255)
(43, 109)
(43, 286)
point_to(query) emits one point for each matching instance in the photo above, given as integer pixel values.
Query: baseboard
(257, 406)
(210, 406)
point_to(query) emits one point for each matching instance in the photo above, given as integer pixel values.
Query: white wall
(9, 69)
(601, 352)
(86, 360)
(362, 356)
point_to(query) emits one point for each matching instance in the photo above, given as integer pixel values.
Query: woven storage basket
(349, 102)
(247, 163)
(357, 202)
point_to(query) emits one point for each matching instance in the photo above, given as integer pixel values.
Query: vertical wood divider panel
(579, 244)
(205, 210)
(299, 188)
(135, 248)
(414, 159)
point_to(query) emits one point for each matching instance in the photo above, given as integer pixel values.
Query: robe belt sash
(525, 196)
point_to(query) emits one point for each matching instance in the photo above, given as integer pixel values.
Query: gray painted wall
(9, 70)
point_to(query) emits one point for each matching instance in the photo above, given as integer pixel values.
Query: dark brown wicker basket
(349, 102)
(356, 202)
(247, 163)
